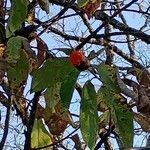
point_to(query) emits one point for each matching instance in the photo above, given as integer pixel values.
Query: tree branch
(103, 24)
(27, 145)
(118, 25)
(6, 127)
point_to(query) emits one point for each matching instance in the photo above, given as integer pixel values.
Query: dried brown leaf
(143, 121)
(143, 103)
(42, 49)
(91, 7)
(143, 77)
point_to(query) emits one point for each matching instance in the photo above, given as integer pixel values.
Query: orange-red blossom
(79, 60)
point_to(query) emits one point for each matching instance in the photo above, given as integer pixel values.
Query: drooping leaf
(67, 88)
(40, 136)
(17, 15)
(18, 73)
(89, 115)
(44, 4)
(121, 115)
(51, 72)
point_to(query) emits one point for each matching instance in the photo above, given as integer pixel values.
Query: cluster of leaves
(56, 78)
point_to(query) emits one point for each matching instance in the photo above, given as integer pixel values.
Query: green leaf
(108, 77)
(51, 72)
(40, 136)
(67, 88)
(52, 95)
(89, 115)
(109, 93)
(123, 119)
(82, 3)
(14, 46)
(18, 73)
(17, 16)
(121, 115)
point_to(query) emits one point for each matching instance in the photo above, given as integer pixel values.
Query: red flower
(79, 60)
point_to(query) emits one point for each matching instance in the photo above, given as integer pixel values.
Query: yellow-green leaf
(82, 3)
(40, 136)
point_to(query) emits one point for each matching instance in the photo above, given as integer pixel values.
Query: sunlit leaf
(18, 73)
(67, 88)
(40, 136)
(89, 115)
(18, 14)
(51, 72)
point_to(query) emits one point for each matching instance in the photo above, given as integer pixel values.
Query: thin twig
(6, 128)
(103, 24)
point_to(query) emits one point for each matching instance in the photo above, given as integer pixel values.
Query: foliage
(40, 136)
(89, 115)
(74, 72)
(18, 9)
